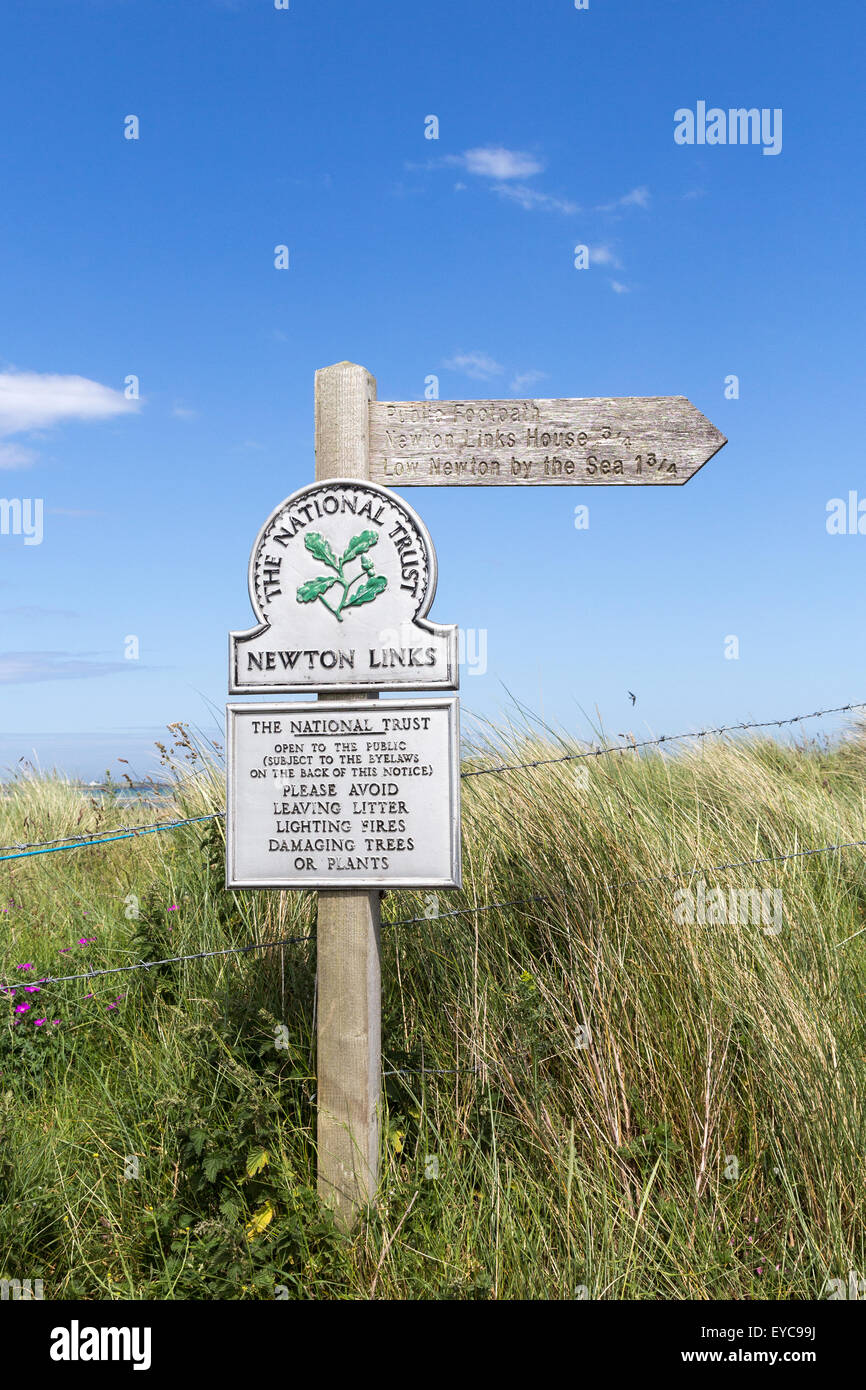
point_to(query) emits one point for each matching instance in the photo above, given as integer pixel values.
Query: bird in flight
(631, 696)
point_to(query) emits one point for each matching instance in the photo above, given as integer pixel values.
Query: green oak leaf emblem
(373, 584)
(314, 588)
(367, 592)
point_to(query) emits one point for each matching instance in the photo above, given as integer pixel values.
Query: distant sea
(86, 757)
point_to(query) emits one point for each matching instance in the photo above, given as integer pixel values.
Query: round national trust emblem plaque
(341, 577)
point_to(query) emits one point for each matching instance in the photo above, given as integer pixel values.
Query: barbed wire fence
(436, 917)
(129, 832)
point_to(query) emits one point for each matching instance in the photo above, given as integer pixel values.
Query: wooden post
(349, 1008)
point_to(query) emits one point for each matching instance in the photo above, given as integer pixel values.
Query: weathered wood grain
(609, 441)
(348, 1051)
(349, 1000)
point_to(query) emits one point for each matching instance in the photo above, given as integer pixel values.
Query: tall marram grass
(585, 1095)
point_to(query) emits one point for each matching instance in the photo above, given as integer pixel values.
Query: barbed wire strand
(427, 1071)
(126, 832)
(764, 859)
(632, 747)
(151, 964)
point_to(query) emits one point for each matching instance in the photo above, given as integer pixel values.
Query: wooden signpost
(633, 439)
(350, 796)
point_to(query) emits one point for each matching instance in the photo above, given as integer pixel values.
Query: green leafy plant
(373, 584)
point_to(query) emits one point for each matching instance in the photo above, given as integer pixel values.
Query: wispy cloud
(33, 612)
(504, 172)
(13, 456)
(618, 287)
(38, 400)
(482, 367)
(24, 668)
(183, 412)
(530, 198)
(521, 380)
(475, 364)
(72, 511)
(637, 198)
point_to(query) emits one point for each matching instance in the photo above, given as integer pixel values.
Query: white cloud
(503, 167)
(603, 255)
(618, 287)
(182, 412)
(475, 364)
(495, 162)
(521, 380)
(36, 400)
(530, 198)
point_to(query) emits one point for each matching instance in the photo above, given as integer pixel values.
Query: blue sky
(155, 258)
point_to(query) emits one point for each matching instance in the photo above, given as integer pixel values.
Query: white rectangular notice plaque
(344, 794)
